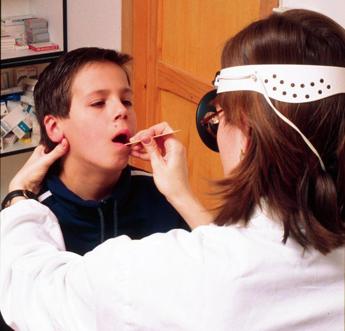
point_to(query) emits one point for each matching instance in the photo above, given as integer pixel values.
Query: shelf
(17, 54)
(18, 147)
(56, 14)
(11, 90)
(30, 57)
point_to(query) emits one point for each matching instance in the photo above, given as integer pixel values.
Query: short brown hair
(278, 167)
(53, 90)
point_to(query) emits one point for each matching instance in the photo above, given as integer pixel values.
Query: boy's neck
(89, 185)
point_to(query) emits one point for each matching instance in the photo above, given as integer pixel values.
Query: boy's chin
(118, 165)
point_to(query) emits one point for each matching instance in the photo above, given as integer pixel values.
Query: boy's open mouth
(121, 138)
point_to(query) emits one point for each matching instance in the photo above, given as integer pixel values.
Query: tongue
(122, 139)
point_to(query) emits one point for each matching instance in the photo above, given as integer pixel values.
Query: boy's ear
(53, 128)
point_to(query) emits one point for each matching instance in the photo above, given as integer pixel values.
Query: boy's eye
(98, 104)
(127, 103)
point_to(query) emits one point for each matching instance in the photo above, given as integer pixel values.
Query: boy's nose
(119, 111)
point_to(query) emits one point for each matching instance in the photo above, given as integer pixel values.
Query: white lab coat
(213, 279)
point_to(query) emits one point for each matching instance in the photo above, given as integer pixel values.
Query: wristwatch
(17, 193)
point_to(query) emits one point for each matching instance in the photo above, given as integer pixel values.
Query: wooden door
(176, 45)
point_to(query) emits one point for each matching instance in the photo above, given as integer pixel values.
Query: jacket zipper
(101, 221)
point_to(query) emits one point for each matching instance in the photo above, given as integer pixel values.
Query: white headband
(291, 83)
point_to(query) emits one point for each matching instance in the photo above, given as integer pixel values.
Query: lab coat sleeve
(42, 287)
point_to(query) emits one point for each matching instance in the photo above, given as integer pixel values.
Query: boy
(85, 96)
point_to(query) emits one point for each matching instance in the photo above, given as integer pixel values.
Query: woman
(276, 259)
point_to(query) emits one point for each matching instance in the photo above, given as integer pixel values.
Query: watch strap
(17, 193)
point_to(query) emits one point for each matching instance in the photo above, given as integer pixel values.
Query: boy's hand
(30, 176)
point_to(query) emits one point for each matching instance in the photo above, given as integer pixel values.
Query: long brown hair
(278, 167)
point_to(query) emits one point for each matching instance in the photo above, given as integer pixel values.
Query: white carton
(12, 119)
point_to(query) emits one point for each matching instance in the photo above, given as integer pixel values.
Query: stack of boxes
(18, 120)
(36, 30)
(22, 32)
(7, 42)
(13, 32)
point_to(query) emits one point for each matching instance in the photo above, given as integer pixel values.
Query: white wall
(94, 23)
(9, 166)
(335, 9)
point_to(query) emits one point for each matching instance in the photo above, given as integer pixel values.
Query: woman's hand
(138, 150)
(30, 176)
(168, 159)
(170, 173)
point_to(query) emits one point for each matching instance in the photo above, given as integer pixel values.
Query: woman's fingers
(30, 176)
(143, 155)
(59, 151)
(153, 152)
(157, 129)
(138, 151)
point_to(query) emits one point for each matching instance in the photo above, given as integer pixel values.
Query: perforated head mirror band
(283, 82)
(288, 83)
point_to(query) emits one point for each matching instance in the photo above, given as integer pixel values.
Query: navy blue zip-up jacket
(135, 208)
